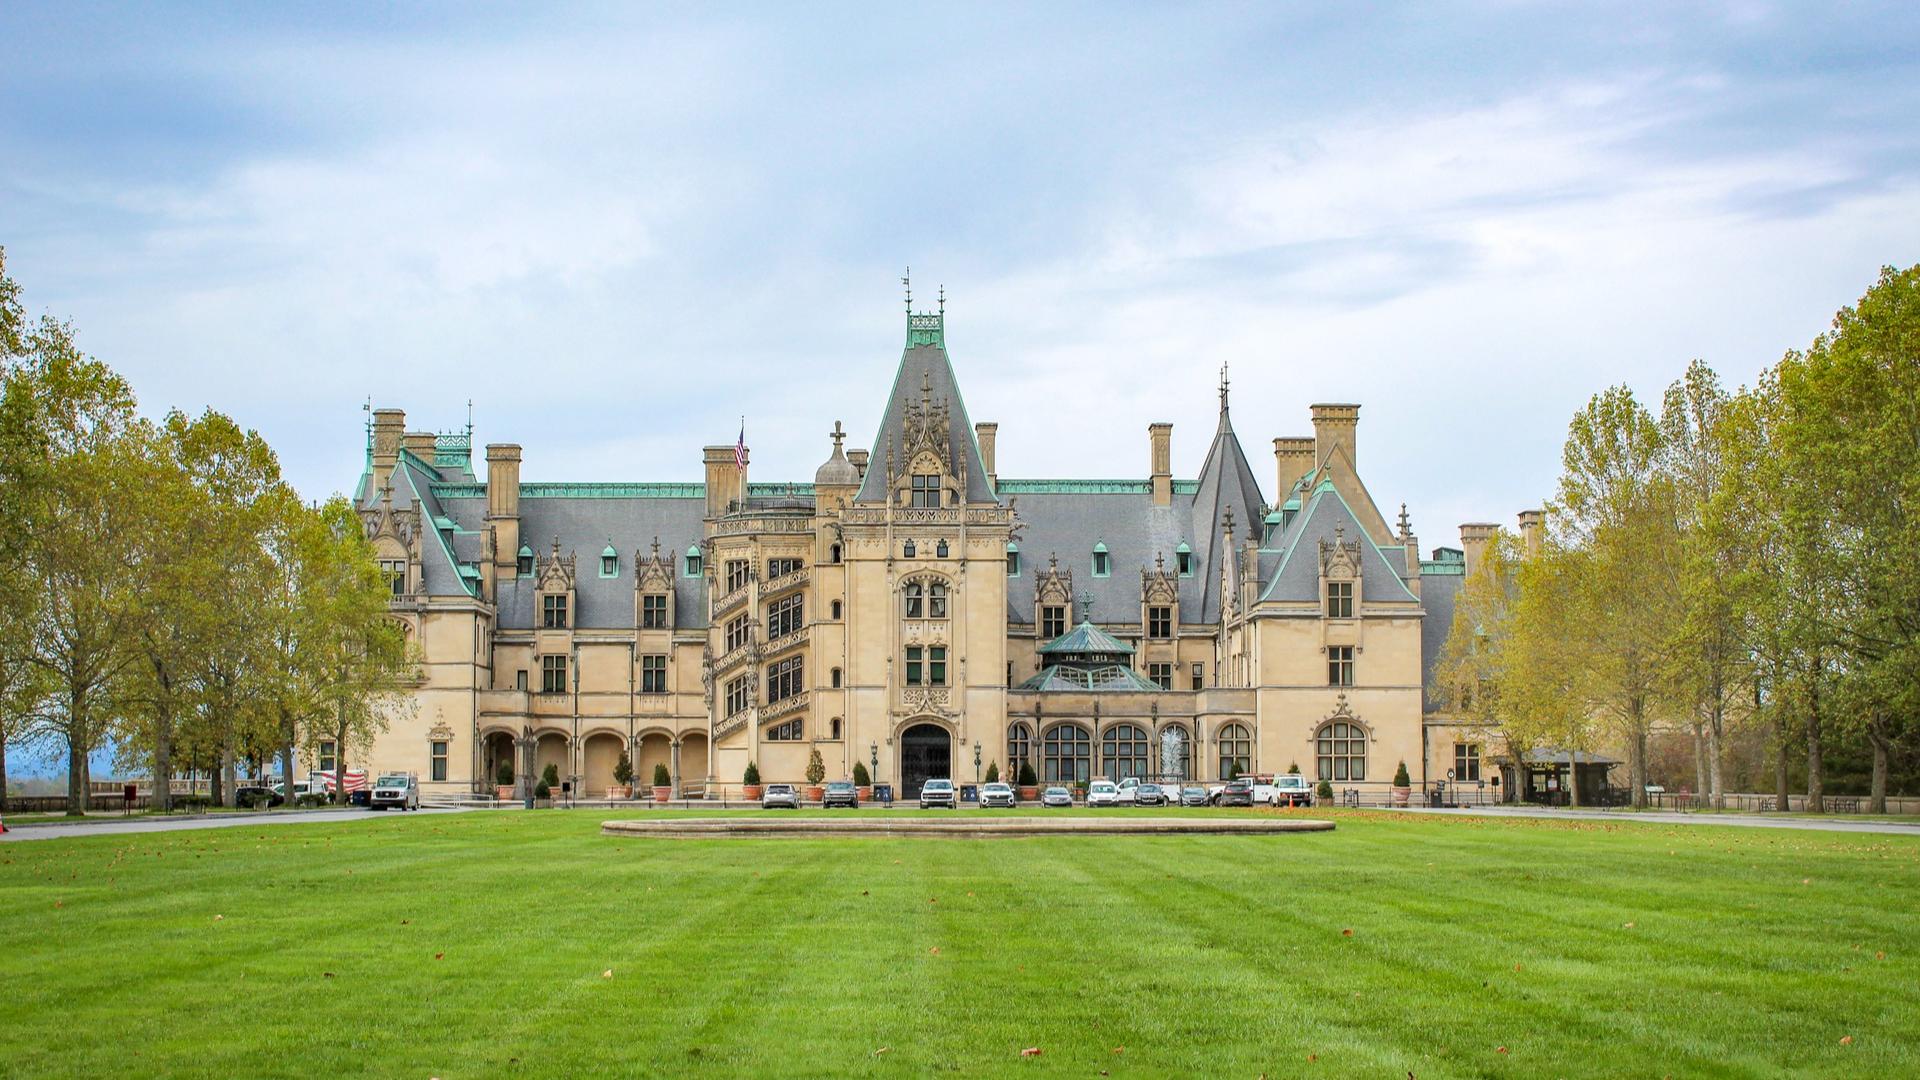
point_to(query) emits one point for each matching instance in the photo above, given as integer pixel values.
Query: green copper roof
(1090, 487)
(1086, 640)
(1101, 678)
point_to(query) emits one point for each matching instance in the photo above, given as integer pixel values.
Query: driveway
(1671, 817)
(53, 830)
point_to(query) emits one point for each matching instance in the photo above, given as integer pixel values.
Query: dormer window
(926, 491)
(609, 562)
(523, 564)
(1013, 560)
(1102, 562)
(1183, 559)
(1339, 599)
(553, 612)
(692, 563)
(653, 611)
(395, 573)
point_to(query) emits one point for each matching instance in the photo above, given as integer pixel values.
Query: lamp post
(976, 761)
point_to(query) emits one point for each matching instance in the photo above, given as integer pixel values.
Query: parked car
(776, 796)
(1149, 795)
(1237, 793)
(255, 796)
(841, 793)
(1193, 795)
(396, 789)
(996, 795)
(1103, 793)
(938, 793)
(1056, 796)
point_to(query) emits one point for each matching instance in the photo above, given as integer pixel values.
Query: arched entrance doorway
(926, 753)
(498, 750)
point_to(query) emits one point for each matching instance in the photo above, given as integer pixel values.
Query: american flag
(740, 447)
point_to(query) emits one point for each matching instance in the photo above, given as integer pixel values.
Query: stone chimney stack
(1474, 537)
(389, 428)
(859, 459)
(420, 445)
(725, 483)
(1160, 462)
(1335, 425)
(985, 434)
(1533, 530)
(503, 504)
(1293, 458)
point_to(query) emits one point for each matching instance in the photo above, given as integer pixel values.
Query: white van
(395, 789)
(1103, 793)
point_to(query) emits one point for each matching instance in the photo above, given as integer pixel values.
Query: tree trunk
(163, 759)
(286, 760)
(1699, 758)
(1636, 759)
(76, 780)
(340, 761)
(3, 774)
(1713, 757)
(1816, 779)
(1877, 794)
(229, 773)
(1780, 768)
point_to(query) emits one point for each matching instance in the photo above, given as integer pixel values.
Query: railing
(732, 600)
(732, 723)
(784, 707)
(791, 580)
(731, 658)
(787, 641)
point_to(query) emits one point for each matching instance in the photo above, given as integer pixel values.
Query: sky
(617, 232)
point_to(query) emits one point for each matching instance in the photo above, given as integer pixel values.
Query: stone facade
(896, 612)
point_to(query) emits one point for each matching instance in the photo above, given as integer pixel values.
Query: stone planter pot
(619, 791)
(503, 792)
(1401, 795)
(750, 792)
(865, 793)
(1028, 794)
(662, 794)
(816, 792)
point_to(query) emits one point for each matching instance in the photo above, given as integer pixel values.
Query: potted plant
(816, 772)
(993, 773)
(1029, 783)
(503, 781)
(750, 783)
(1402, 786)
(1323, 794)
(543, 793)
(862, 781)
(662, 782)
(622, 778)
(1293, 768)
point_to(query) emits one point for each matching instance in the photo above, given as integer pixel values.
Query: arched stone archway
(551, 749)
(655, 749)
(498, 749)
(926, 753)
(601, 752)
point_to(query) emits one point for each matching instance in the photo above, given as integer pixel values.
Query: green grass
(474, 945)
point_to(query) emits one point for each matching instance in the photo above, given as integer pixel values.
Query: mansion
(914, 610)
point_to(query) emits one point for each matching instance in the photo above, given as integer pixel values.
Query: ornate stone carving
(1339, 557)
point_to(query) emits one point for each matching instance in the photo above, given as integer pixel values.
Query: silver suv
(938, 793)
(778, 795)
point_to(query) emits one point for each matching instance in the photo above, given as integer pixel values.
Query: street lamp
(976, 761)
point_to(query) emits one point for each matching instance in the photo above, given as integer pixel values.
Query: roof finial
(469, 421)
(1406, 527)
(906, 282)
(656, 548)
(1223, 388)
(1086, 603)
(943, 299)
(838, 434)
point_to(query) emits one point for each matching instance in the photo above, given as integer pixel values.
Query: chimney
(389, 426)
(420, 445)
(726, 483)
(1293, 458)
(1474, 537)
(1333, 425)
(985, 434)
(859, 459)
(1160, 462)
(503, 504)
(1533, 531)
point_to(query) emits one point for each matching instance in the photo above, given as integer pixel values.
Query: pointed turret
(925, 426)
(1226, 483)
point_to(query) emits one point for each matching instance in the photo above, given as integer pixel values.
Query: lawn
(515, 943)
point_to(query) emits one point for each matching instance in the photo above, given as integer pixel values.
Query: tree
(993, 772)
(816, 768)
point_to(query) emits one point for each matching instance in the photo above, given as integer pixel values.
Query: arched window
(692, 561)
(1123, 752)
(523, 562)
(1013, 559)
(836, 609)
(836, 680)
(937, 600)
(1340, 747)
(1102, 562)
(834, 724)
(833, 553)
(1019, 746)
(916, 602)
(1066, 755)
(1236, 750)
(1176, 752)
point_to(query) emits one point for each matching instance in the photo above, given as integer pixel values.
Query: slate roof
(1437, 593)
(585, 526)
(1226, 482)
(1291, 565)
(925, 357)
(1067, 524)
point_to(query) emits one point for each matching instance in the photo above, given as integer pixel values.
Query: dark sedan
(841, 793)
(1237, 793)
(1150, 795)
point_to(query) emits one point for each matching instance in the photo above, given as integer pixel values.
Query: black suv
(1237, 793)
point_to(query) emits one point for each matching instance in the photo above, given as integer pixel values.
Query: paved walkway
(1671, 817)
(53, 830)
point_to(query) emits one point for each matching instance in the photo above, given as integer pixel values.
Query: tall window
(937, 665)
(739, 694)
(1053, 621)
(1176, 752)
(836, 611)
(779, 568)
(784, 617)
(833, 729)
(1123, 752)
(1341, 749)
(833, 553)
(784, 679)
(1183, 559)
(328, 759)
(438, 760)
(738, 632)
(1236, 750)
(520, 679)
(926, 666)
(1066, 755)
(1339, 599)
(1102, 562)
(553, 612)
(653, 674)
(1340, 665)
(1199, 676)
(940, 549)
(1013, 561)
(1159, 622)
(1466, 761)
(926, 490)
(1019, 747)
(836, 678)
(738, 571)
(523, 563)
(915, 664)
(1161, 674)
(609, 565)
(786, 731)
(691, 565)
(395, 573)
(907, 549)
(937, 600)
(916, 600)
(553, 674)
(653, 612)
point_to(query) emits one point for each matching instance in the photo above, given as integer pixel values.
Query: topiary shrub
(1028, 778)
(860, 777)
(312, 798)
(816, 769)
(1293, 768)
(660, 775)
(543, 790)
(550, 776)
(503, 776)
(752, 775)
(623, 771)
(1324, 791)
(1400, 777)
(1233, 771)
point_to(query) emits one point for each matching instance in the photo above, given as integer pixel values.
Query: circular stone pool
(960, 826)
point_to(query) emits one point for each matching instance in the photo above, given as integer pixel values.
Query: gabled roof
(924, 365)
(1226, 482)
(1292, 573)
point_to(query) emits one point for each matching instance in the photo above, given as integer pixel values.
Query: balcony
(732, 724)
(773, 587)
(730, 601)
(733, 658)
(785, 707)
(787, 641)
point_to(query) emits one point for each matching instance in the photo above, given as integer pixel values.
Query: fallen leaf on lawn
(1806, 881)
(1119, 1049)
(404, 922)
(217, 918)
(1846, 1040)
(882, 1050)
(1348, 932)
(326, 974)
(607, 974)
(1031, 1051)
(1626, 926)
(969, 892)
(1879, 956)
(1311, 1058)
(933, 899)
(935, 950)
(1499, 1049)
(1516, 967)
(863, 892)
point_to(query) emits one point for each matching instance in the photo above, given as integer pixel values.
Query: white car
(779, 795)
(938, 793)
(1103, 793)
(996, 795)
(395, 789)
